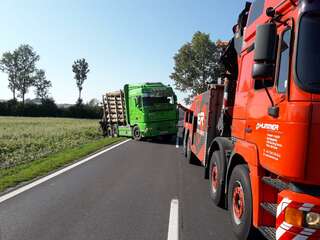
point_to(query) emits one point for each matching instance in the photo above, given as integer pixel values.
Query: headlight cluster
(299, 218)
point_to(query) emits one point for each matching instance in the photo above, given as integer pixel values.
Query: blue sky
(124, 41)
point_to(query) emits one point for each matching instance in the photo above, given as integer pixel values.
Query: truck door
(263, 129)
(243, 86)
(135, 108)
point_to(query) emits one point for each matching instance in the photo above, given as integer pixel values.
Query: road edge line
(173, 229)
(27, 187)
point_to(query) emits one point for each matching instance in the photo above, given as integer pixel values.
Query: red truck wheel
(240, 202)
(215, 181)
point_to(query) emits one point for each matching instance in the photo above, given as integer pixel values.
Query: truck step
(276, 183)
(268, 232)
(270, 207)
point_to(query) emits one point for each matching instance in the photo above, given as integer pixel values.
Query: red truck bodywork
(267, 170)
(201, 120)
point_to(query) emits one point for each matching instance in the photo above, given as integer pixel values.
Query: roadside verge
(11, 177)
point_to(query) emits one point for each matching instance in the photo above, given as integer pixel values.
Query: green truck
(139, 111)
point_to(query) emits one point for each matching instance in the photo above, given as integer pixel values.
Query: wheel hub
(214, 178)
(238, 203)
(136, 133)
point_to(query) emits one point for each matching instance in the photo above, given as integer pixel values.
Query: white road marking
(46, 178)
(173, 231)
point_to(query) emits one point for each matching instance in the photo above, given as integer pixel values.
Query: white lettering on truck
(267, 126)
(201, 119)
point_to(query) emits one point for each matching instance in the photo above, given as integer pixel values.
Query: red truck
(258, 136)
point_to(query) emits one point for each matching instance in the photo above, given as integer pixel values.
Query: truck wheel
(115, 131)
(215, 181)
(136, 133)
(109, 132)
(240, 202)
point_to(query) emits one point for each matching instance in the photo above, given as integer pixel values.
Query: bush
(48, 108)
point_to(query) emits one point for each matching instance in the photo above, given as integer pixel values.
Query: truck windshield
(308, 53)
(151, 101)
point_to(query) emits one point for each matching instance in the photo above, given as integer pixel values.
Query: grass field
(26, 139)
(31, 147)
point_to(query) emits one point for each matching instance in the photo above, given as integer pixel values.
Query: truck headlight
(299, 218)
(313, 220)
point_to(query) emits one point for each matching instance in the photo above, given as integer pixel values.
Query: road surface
(122, 194)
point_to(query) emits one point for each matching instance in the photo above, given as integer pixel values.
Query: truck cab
(151, 109)
(266, 171)
(275, 117)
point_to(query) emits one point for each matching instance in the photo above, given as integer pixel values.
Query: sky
(124, 41)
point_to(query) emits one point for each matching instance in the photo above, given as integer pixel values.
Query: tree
(26, 59)
(197, 63)
(9, 65)
(42, 85)
(80, 69)
(93, 102)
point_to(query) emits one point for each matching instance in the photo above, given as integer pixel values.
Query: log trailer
(140, 111)
(258, 136)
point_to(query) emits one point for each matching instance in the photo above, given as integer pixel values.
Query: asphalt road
(120, 195)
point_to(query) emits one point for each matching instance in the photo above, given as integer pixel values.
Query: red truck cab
(266, 169)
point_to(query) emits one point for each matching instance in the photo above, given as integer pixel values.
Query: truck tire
(109, 132)
(240, 202)
(114, 131)
(136, 134)
(102, 128)
(215, 182)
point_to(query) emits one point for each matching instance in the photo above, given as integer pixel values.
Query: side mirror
(265, 52)
(263, 71)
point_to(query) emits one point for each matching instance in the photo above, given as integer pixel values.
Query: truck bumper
(159, 129)
(292, 207)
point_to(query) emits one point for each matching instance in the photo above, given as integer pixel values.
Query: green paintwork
(153, 119)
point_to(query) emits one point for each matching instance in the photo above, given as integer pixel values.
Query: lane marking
(173, 230)
(46, 178)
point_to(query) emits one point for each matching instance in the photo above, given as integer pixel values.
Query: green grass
(24, 140)
(11, 177)
(32, 147)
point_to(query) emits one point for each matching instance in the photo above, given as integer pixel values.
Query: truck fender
(240, 150)
(223, 145)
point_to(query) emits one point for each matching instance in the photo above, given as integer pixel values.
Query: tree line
(21, 67)
(196, 64)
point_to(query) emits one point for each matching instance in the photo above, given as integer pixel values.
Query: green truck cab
(139, 111)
